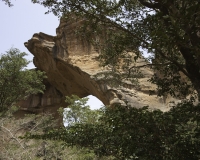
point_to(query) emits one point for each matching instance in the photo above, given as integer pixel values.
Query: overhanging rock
(72, 63)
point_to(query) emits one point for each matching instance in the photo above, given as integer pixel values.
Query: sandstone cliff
(71, 65)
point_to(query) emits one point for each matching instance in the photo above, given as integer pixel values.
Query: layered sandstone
(71, 65)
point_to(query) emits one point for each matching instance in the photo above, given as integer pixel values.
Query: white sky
(20, 22)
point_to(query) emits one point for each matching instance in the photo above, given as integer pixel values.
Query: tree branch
(150, 5)
(12, 136)
(146, 65)
(103, 18)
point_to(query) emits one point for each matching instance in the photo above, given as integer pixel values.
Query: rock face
(42, 102)
(49, 102)
(71, 65)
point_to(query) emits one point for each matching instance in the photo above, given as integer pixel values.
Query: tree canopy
(166, 29)
(125, 132)
(78, 111)
(16, 82)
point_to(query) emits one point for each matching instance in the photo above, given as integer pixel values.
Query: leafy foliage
(16, 82)
(168, 30)
(78, 112)
(131, 133)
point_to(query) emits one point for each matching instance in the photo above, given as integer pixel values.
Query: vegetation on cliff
(169, 32)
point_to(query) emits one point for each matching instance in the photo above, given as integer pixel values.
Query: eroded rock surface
(71, 65)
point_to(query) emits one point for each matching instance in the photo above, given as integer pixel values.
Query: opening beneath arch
(78, 111)
(94, 102)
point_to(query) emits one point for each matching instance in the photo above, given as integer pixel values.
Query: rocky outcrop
(43, 102)
(71, 65)
(46, 103)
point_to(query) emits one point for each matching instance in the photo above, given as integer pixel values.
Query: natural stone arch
(71, 68)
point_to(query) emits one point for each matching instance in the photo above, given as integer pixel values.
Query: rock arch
(71, 68)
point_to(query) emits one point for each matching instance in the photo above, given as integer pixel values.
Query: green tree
(17, 82)
(78, 111)
(167, 29)
(131, 133)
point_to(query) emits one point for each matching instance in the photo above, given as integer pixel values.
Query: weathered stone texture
(71, 65)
